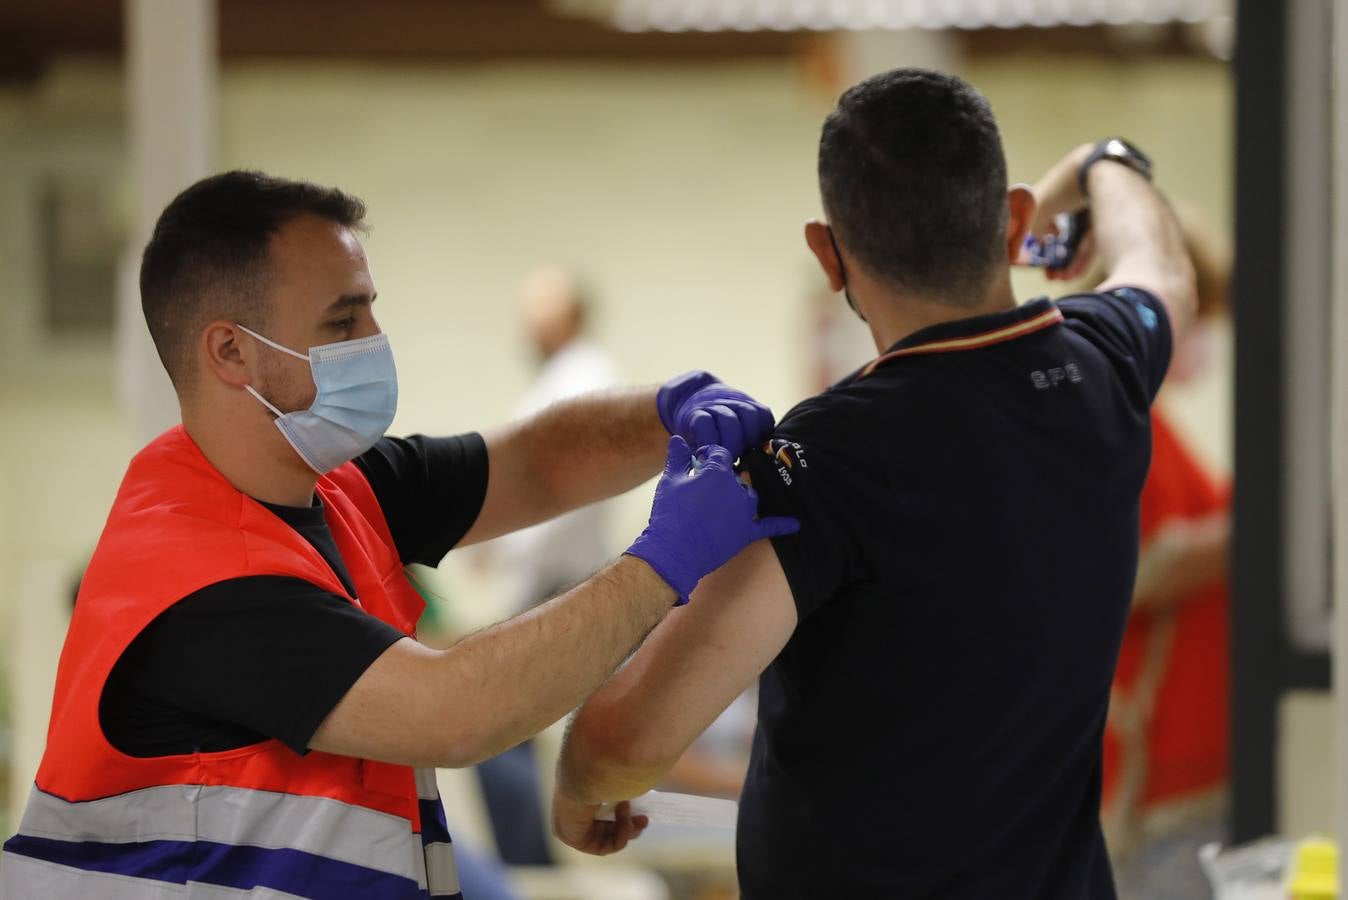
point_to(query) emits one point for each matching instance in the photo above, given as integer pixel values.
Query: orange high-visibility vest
(259, 820)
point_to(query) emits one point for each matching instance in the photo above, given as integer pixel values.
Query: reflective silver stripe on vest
(236, 816)
(22, 877)
(442, 872)
(427, 788)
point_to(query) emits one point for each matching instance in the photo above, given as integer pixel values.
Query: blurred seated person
(539, 562)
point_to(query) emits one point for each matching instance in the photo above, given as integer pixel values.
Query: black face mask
(843, 271)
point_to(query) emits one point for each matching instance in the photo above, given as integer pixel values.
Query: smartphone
(1057, 251)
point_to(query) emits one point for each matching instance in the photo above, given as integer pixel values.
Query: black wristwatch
(1117, 150)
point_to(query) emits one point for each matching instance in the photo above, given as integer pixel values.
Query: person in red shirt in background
(1168, 735)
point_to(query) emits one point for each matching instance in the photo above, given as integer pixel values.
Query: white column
(1308, 271)
(171, 66)
(870, 52)
(1339, 411)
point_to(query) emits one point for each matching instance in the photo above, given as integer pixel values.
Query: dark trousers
(511, 790)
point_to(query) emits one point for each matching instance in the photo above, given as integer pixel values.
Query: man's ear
(821, 245)
(1021, 205)
(221, 352)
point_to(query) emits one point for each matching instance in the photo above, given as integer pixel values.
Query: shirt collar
(299, 516)
(973, 333)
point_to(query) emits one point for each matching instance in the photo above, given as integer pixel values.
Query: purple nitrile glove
(702, 410)
(701, 517)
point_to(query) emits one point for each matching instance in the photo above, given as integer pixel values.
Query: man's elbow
(453, 754)
(1176, 281)
(615, 760)
(1180, 295)
(461, 746)
(640, 759)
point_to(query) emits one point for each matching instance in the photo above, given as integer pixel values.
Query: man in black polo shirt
(936, 645)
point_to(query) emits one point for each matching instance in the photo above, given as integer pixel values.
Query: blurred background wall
(675, 180)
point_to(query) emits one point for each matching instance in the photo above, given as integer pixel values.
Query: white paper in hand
(679, 809)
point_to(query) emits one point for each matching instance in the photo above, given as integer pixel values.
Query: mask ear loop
(271, 343)
(842, 270)
(263, 400)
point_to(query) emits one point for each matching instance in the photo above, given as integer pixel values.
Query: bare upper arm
(1159, 264)
(513, 499)
(392, 713)
(693, 665)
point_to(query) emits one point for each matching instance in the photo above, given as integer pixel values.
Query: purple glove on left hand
(700, 409)
(702, 516)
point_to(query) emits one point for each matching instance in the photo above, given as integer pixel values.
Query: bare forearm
(455, 707)
(633, 731)
(1135, 226)
(596, 446)
(1133, 229)
(1180, 560)
(526, 673)
(627, 737)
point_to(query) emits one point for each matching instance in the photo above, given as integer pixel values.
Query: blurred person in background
(1168, 739)
(936, 646)
(542, 561)
(241, 704)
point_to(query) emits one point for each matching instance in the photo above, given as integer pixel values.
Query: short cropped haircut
(208, 260)
(913, 179)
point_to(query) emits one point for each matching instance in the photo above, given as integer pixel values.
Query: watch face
(1121, 149)
(1122, 152)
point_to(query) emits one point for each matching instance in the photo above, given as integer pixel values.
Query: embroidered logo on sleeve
(788, 456)
(1145, 313)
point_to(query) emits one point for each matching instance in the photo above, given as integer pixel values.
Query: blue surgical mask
(357, 397)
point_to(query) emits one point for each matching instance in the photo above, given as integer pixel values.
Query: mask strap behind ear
(271, 343)
(842, 270)
(836, 252)
(263, 400)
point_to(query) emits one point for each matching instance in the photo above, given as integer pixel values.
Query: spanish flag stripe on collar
(1047, 319)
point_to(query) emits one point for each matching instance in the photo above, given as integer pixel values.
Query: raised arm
(455, 707)
(595, 446)
(1133, 229)
(633, 730)
(573, 453)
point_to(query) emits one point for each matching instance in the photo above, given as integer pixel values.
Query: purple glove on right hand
(702, 410)
(701, 518)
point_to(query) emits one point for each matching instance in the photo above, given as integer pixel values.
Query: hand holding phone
(1060, 252)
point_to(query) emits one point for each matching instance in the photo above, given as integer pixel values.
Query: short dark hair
(913, 179)
(207, 258)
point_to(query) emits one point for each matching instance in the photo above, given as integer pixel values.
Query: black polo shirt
(969, 540)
